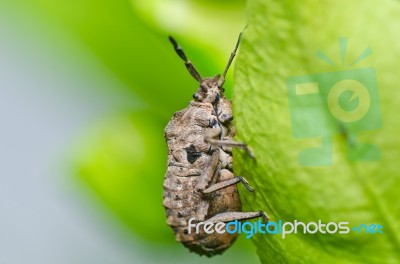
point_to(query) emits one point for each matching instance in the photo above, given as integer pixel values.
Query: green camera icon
(326, 104)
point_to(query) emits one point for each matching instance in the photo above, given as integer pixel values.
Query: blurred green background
(87, 88)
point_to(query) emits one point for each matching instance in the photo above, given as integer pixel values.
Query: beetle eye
(197, 97)
(204, 87)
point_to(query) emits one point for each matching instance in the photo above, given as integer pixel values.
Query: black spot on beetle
(209, 152)
(217, 97)
(192, 154)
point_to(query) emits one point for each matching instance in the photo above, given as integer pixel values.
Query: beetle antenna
(192, 70)
(222, 79)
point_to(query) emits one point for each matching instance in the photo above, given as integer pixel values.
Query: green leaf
(280, 44)
(123, 160)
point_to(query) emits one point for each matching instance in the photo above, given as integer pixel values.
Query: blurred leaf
(138, 53)
(203, 21)
(281, 42)
(207, 30)
(143, 60)
(124, 160)
(211, 25)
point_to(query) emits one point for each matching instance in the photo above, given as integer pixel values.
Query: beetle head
(209, 90)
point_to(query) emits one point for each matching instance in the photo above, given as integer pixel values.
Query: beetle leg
(183, 172)
(177, 164)
(229, 143)
(226, 183)
(231, 216)
(209, 172)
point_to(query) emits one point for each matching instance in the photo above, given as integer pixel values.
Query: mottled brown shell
(199, 183)
(194, 165)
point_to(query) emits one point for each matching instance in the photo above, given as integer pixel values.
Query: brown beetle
(199, 182)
